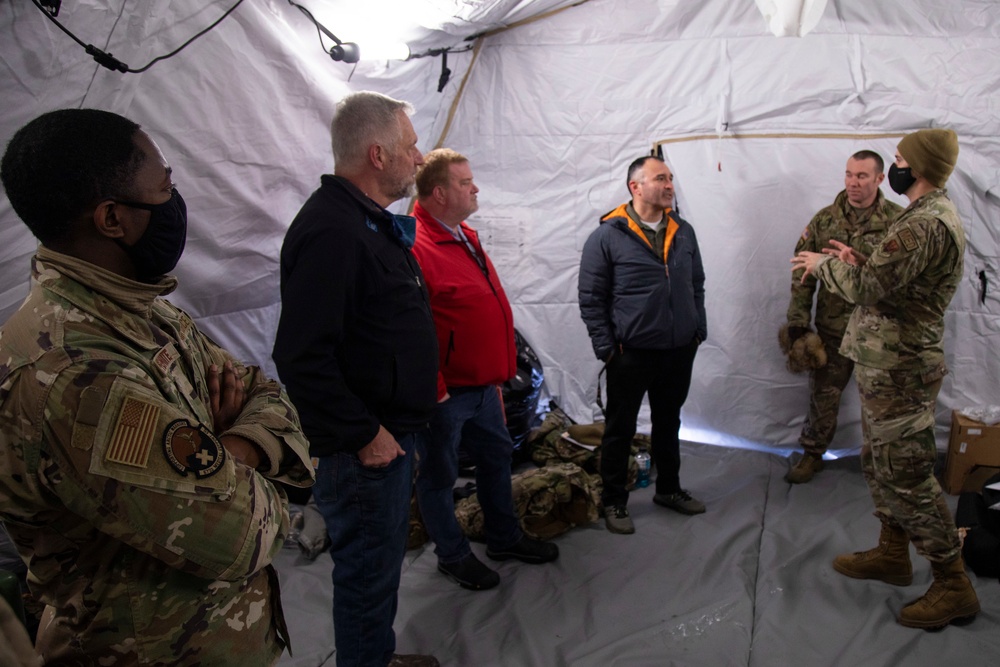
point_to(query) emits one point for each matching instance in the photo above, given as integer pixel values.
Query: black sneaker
(527, 550)
(681, 501)
(470, 573)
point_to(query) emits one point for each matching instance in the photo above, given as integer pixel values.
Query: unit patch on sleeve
(133, 433)
(165, 358)
(889, 248)
(908, 240)
(192, 448)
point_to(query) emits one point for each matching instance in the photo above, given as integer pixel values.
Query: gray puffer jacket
(628, 297)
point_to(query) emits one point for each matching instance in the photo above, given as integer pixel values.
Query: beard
(401, 187)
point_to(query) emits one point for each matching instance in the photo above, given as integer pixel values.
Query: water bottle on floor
(644, 461)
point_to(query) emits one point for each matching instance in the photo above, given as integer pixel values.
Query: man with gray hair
(357, 351)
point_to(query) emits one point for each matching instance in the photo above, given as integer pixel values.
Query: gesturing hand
(845, 253)
(806, 260)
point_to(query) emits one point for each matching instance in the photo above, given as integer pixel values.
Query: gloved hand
(795, 333)
(787, 335)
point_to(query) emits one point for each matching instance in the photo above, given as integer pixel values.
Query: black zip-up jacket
(629, 297)
(356, 346)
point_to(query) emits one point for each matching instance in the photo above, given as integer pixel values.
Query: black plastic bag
(521, 393)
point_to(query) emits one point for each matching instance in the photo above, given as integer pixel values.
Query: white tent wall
(550, 115)
(554, 112)
(242, 115)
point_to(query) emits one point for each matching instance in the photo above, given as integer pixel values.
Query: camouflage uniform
(147, 541)
(895, 339)
(862, 230)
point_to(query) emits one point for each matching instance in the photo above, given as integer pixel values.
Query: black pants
(981, 548)
(666, 376)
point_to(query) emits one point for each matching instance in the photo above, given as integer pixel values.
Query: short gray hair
(362, 119)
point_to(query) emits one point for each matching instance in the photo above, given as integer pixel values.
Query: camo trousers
(897, 418)
(826, 385)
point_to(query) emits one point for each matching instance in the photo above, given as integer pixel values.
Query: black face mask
(900, 180)
(160, 246)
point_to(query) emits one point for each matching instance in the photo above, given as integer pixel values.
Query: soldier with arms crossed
(137, 454)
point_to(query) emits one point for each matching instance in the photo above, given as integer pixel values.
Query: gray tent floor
(747, 583)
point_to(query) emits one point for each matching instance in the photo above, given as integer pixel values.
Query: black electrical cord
(438, 52)
(319, 33)
(109, 61)
(319, 26)
(445, 70)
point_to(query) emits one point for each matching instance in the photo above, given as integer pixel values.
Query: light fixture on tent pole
(791, 18)
(351, 52)
(347, 52)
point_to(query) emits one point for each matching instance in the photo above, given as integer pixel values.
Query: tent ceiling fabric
(756, 128)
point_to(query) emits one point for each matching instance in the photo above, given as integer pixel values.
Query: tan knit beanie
(931, 154)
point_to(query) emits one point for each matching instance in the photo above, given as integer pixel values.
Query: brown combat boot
(803, 471)
(950, 598)
(888, 562)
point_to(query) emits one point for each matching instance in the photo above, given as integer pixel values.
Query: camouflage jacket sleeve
(801, 304)
(119, 431)
(138, 467)
(901, 257)
(269, 420)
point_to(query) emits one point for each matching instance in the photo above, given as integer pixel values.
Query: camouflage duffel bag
(548, 500)
(581, 444)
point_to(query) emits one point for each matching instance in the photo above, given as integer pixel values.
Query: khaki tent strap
(776, 135)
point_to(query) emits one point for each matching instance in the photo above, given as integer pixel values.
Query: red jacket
(475, 326)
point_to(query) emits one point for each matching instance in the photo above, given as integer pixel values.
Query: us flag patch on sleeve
(133, 433)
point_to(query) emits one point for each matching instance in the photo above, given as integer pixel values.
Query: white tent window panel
(791, 18)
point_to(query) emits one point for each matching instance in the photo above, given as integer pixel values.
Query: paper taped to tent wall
(550, 115)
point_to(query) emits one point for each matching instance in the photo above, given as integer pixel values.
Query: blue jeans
(367, 513)
(474, 417)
